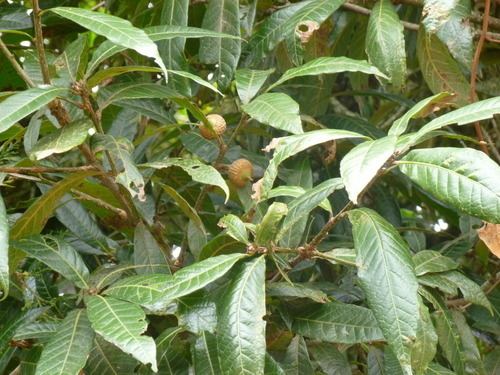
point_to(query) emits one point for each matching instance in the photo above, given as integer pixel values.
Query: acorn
(240, 172)
(218, 127)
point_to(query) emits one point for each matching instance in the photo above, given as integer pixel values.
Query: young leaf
(58, 255)
(249, 82)
(240, 328)
(4, 251)
(200, 172)
(288, 146)
(117, 30)
(429, 261)
(466, 179)
(339, 323)
(277, 110)
(158, 290)
(388, 279)
(122, 324)
(304, 204)
(295, 192)
(222, 16)
(328, 65)
(148, 253)
(266, 232)
(385, 43)
(67, 350)
(20, 105)
(61, 140)
(360, 166)
(234, 228)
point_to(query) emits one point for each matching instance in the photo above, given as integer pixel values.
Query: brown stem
(311, 246)
(473, 75)
(15, 64)
(47, 169)
(361, 10)
(83, 196)
(37, 23)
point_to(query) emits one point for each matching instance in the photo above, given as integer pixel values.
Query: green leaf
(249, 82)
(441, 72)
(36, 331)
(341, 256)
(272, 367)
(282, 23)
(437, 369)
(304, 204)
(58, 255)
(222, 16)
(472, 356)
(385, 43)
(277, 110)
(67, 350)
(339, 323)
(438, 281)
(234, 228)
(117, 30)
(295, 192)
(425, 346)
(197, 312)
(363, 163)
(11, 319)
(127, 91)
(171, 359)
(375, 361)
(492, 361)
(114, 71)
(328, 65)
(200, 172)
(466, 179)
(422, 108)
(388, 279)
(121, 150)
(330, 359)
(160, 289)
(470, 290)
(296, 290)
(107, 359)
(122, 324)
(289, 146)
(4, 251)
(240, 327)
(449, 21)
(185, 207)
(206, 358)
(20, 105)
(297, 361)
(148, 253)
(267, 230)
(62, 140)
(429, 261)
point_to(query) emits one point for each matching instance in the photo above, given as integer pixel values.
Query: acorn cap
(218, 126)
(240, 172)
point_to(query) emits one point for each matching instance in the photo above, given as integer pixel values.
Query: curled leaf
(490, 235)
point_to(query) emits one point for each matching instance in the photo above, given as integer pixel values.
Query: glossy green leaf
(429, 261)
(295, 192)
(67, 350)
(422, 108)
(58, 255)
(363, 163)
(205, 355)
(297, 361)
(387, 277)
(277, 110)
(267, 230)
(4, 251)
(328, 65)
(62, 140)
(341, 256)
(107, 359)
(24, 103)
(296, 290)
(385, 43)
(466, 179)
(240, 328)
(305, 203)
(197, 312)
(157, 289)
(289, 146)
(224, 17)
(338, 323)
(36, 331)
(470, 290)
(440, 71)
(117, 30)
(148, 253)
(249, 82)
(122, 324)
(200, 172)
(235, 228)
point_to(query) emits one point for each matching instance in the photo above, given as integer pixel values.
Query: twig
(473, 75)
(16, 65)
(99, 202)
(37, 23)
(358, 9)
(47, 169)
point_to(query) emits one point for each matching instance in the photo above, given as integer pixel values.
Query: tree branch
(15, 64)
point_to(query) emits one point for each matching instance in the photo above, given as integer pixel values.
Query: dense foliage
(249, 187)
